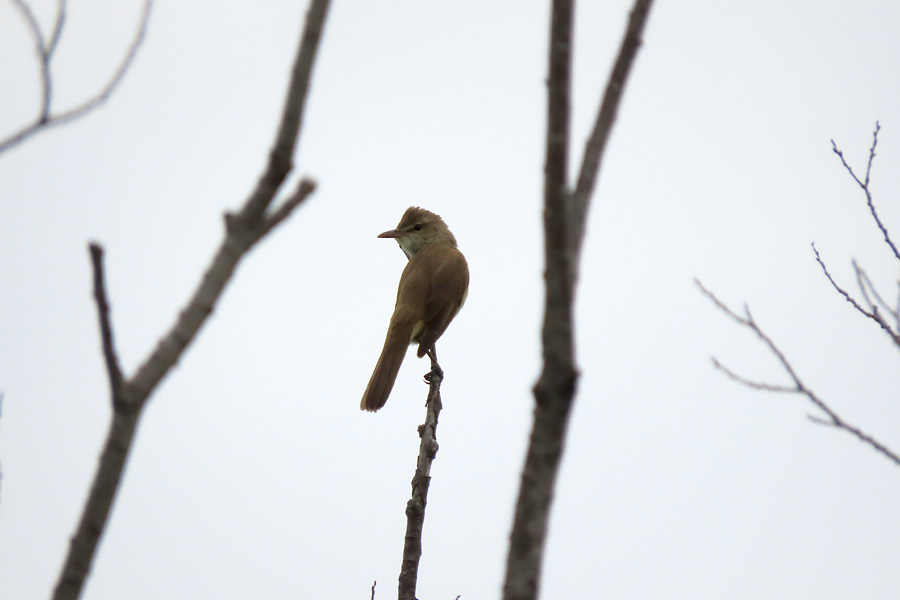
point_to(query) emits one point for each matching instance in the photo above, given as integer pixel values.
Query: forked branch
(870, 295)
(866, 288)
(255, 219)
(565, 213)
(798, 386)
(45, 51)
(864, 185)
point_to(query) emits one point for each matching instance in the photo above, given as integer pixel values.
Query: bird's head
(417, 228)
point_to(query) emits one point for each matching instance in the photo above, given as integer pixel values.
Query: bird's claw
(435, 371)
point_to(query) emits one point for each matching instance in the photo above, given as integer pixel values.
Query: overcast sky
(255, 475)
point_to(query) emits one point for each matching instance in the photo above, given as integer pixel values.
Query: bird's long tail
(382, 380)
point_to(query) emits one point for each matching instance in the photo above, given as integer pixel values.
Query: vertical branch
(564, 216)
(415, 508)
(556, 385)
(106, 333)
(113, 458)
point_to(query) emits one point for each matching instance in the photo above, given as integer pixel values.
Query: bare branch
(799, 387)
(606, 116)
(866, 287)
(117, 77)
(556, 386)
(33, 25)
(304, 189)
(106, 332)
(756, 385)
(241, 234)
(872, 156)
(415, 507)
(281, 155)
(42, 54)
(45, 54)
(896, 311)
(864, 185)
(564, 216)
(873, 314)
(247, 226)
(57, 28)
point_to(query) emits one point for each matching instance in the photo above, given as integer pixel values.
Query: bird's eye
(418, 227)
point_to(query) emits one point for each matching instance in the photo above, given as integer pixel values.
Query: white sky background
(255, 475)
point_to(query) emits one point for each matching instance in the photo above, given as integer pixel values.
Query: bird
(433, 288)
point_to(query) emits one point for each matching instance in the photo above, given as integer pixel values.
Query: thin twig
(866, 287)
(756, 385)
(833, 419)
(606, 116)
(304, 189)
(42, 54)
(864, 185)
(415, 507)
(45, 54)
(873, 314)
(896, 311)
(57, 28)
(106, 333)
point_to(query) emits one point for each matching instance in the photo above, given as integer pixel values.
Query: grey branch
(606, 116)
(415, 507)
(873, 313)
(833, 419)
(45, 52)
(864, 185)
(564, 217)
(244, 230)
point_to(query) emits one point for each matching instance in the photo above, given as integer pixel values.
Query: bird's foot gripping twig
(436, 374)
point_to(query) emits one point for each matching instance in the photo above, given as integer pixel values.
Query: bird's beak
(393, 233)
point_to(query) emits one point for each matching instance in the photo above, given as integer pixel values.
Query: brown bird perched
(432, 289)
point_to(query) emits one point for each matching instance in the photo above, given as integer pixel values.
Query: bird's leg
(436, 370)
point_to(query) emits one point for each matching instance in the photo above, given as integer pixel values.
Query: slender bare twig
(756, 385)
(242, 232)
(864, 185)
(606, 116)
(869, 314)
(415, 507)
(564, 216)
(106, 331)
(57, 28)
(867, 288)
(275, 217)
(45, 54)
(833, 419)
(896, 311)
(861, 279)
